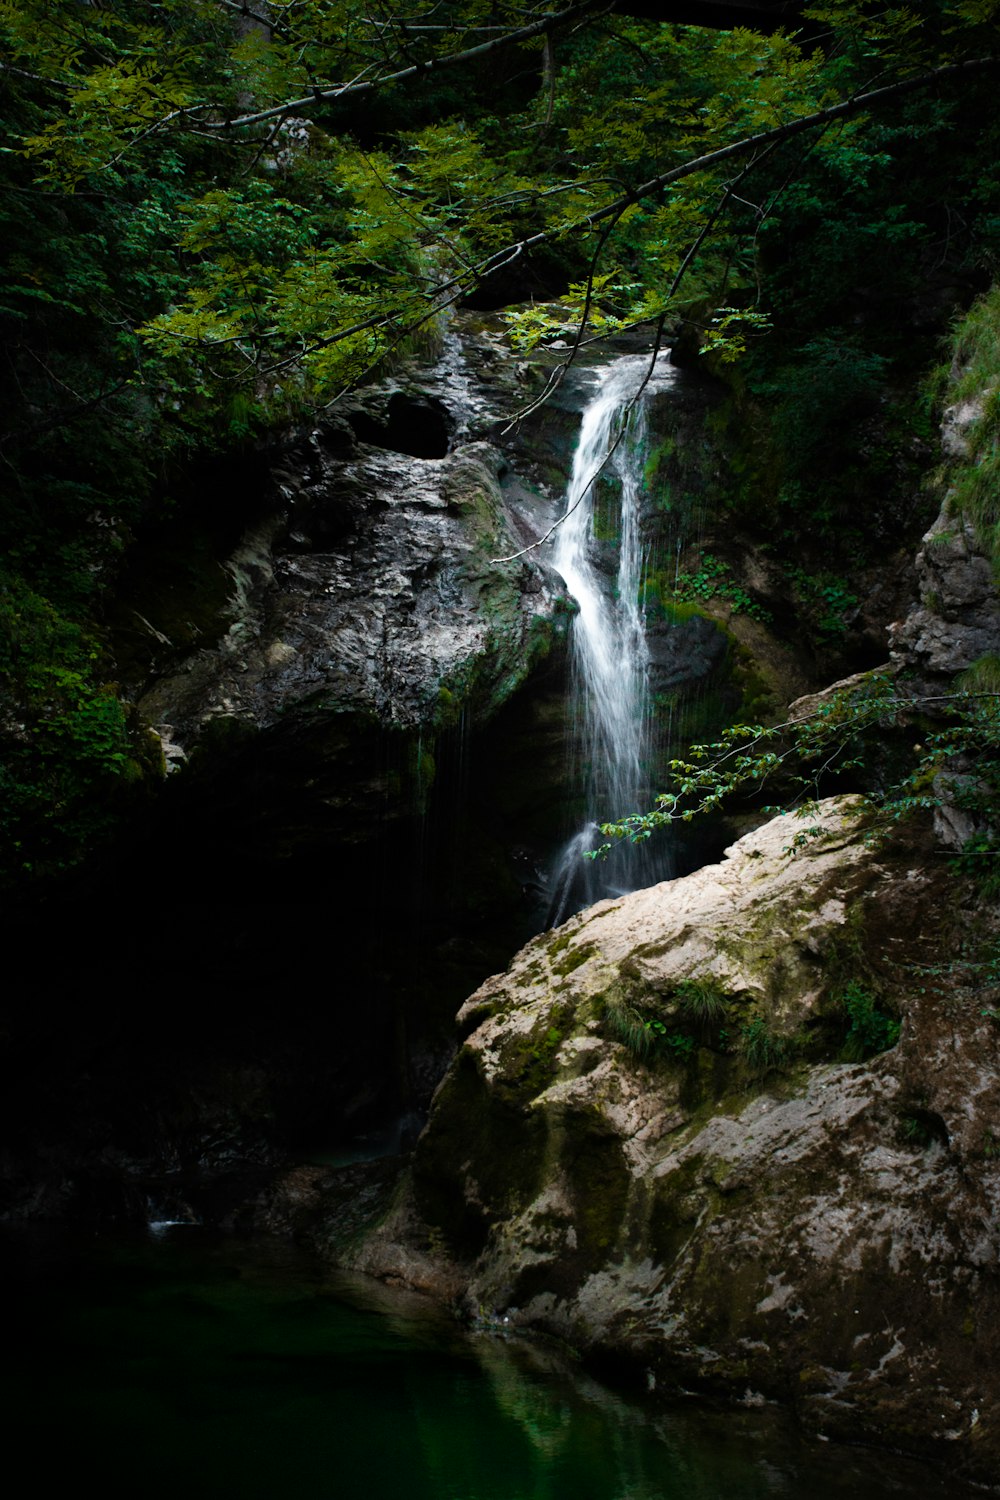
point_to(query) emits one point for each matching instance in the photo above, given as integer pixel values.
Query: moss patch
(469, 1132)
(574, 960)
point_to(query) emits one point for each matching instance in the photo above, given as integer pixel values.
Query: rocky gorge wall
(648, 1146)
(363, 716)
(650, 1142)
(738, 1132)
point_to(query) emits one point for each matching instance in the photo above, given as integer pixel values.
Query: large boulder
(650, 1143)
(374, 591)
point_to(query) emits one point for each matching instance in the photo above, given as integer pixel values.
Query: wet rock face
(371, 583)
(685, 652)
(821, 1232)
(376, 594)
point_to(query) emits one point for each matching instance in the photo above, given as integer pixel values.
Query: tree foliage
(220, 213)
(861, 736)
(302, 241)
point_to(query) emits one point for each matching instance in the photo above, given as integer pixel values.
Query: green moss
(760, 702)
(529, 1059)
(448, 708)
(681, 1201)
(600, 1186)
(484, 682)
(656, 468)
(678, 611)
(574, 960)
(607, 523)
(504, 1141)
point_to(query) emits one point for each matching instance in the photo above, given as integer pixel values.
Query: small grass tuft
(645, 1035)
(763, 1049)
(702, 1001)
(628, 1026)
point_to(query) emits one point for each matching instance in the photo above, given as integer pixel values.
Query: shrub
(871, 1030)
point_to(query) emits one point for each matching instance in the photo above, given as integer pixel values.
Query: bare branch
(607, 457)
(55, 83)
(542, 27)
(674, 286)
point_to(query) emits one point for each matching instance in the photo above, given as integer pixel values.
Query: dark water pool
(185, 1364)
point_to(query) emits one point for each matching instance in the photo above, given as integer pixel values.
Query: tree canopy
(219, 214)
(287, 192)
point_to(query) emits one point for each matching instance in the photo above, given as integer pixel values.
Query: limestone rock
(958, 618)
(370, 585)
(825, 1234)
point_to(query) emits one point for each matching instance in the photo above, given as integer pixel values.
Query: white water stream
(611, 708)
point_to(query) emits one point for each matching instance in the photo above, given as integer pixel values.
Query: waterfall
(611, 708)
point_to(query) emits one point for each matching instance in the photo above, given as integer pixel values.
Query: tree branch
(542, 27)
(446, 292)
(766, 138)
(681, 272)
(607, 457)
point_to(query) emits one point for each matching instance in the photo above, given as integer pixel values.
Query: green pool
(188, 1364)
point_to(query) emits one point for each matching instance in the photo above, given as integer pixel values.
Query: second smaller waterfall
(610, 710)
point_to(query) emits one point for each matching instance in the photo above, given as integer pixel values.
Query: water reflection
(198, 1365)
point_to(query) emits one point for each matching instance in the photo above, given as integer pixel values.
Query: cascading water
(610, 711)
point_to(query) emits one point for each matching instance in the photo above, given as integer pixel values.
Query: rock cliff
(367, 713)
(956, 620)
(369, 583)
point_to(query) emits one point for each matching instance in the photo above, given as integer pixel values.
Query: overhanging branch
(546, 24)
(762, 141)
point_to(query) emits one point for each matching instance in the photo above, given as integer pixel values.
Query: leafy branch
(396, 321)
(801, 751)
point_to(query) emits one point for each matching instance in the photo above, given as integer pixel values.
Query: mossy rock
(472, 1130)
